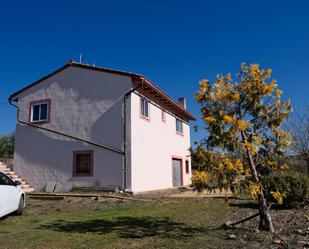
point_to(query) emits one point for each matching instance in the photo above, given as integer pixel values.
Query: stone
(303, 243)
(232, 236)
(300, 232)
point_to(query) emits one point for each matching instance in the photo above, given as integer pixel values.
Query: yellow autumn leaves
(242, 125)
(251, 148)
(200, 177)
(274, 165)
(223, 99)
(254, 83)
(216, 171)
(277, 196)
(204, 85)
(242, 116)
(278, 93)
(227, 163)
(219, 163)
(209, 119)
(255, 189)
(221, 90)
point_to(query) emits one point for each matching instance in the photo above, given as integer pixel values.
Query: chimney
(182, 102)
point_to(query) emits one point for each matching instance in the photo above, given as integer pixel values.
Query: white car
(12, 197)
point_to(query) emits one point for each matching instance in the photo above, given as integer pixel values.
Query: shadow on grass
(249, 205)
(128, 227)
(255, 205)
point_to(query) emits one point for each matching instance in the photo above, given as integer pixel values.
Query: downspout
(125, 133)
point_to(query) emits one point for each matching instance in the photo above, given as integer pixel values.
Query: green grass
(173, 223)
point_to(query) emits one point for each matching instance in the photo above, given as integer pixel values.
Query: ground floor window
(187, 167)
(83, 163)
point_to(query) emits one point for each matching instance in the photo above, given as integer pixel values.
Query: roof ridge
(73, 62)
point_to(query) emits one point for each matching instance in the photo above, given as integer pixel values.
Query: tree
(215, 171)
(299, 127)
(7, 146)
(242, 118)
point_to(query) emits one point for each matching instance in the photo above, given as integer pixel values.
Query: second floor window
(163, 116)
(39, 111)
(144, 108)
(179, 126)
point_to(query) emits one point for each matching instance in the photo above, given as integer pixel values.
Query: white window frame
(178, 120)
(40, 103)
(144, 103)
(163, 115)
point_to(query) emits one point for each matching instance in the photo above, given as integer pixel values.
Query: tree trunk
(265, 218)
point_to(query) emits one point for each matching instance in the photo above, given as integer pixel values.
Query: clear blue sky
(174, 43)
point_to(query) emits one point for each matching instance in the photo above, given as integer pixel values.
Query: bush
(297, 164)
(293, 186)
(7, 146)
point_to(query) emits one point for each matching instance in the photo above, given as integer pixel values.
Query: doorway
(177, 172)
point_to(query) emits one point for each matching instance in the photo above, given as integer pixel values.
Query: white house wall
(154, 144)
(86, 104)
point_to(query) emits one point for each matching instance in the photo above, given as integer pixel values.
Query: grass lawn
(86, 223)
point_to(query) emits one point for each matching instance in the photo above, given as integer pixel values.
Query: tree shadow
(246, 205)
(128, 227)
(255, 205)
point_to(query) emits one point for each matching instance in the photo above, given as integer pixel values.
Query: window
(40, 111)
(187, 167)
(5, 180)
(83, 163)
(144, 108)
(163, 116)
(179, 126)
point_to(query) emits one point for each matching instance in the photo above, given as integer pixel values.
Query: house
(87, 126)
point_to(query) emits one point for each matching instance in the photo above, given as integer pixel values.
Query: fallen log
(232, 225)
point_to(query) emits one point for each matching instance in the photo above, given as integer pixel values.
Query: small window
(179, 126)
(83, 163)
(187, 167)
(144, 108)
(39, 111)
(163, 116)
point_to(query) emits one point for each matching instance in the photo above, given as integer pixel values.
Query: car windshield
(5, 180)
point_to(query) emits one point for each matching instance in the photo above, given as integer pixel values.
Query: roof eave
(14, 95)
(185, 112)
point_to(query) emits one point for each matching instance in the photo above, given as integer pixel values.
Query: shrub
(297, 164)
(293, 186)
(7, 146)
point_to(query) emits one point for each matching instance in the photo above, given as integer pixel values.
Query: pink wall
(154, 143)
(89, 104)
(86, 104)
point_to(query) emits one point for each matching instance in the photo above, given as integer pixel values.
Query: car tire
(21, 206)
